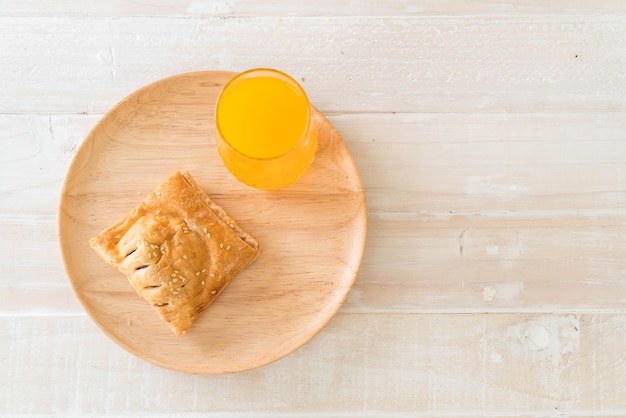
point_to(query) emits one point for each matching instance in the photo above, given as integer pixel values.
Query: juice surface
(262, 117)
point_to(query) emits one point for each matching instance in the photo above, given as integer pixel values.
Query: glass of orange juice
(266, 133)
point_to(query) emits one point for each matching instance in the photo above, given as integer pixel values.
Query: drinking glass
(266, 133)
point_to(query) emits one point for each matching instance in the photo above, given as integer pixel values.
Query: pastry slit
(153, 287)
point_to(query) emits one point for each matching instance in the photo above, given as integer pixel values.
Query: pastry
(178, 249)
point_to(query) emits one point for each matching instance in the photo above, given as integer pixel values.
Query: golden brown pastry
(178, 249)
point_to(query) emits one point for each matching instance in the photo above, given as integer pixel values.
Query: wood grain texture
(413, 263)
(304, 8)
(494, 262)
(359, 365)
(490, 162)
(461, 162)
(442, 64)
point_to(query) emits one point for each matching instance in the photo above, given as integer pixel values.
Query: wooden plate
(312, 233)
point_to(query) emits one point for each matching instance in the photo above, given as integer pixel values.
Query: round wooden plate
(312, 233)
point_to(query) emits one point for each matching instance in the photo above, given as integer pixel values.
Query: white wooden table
(491, 138)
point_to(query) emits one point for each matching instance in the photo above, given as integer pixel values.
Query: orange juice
(266, 135)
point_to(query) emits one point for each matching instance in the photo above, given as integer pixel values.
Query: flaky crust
(178, 249)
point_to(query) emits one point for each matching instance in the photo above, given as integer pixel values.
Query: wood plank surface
(303, 7)
(446, 64)
(382, 365)
(461, 162)
(413, 263)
